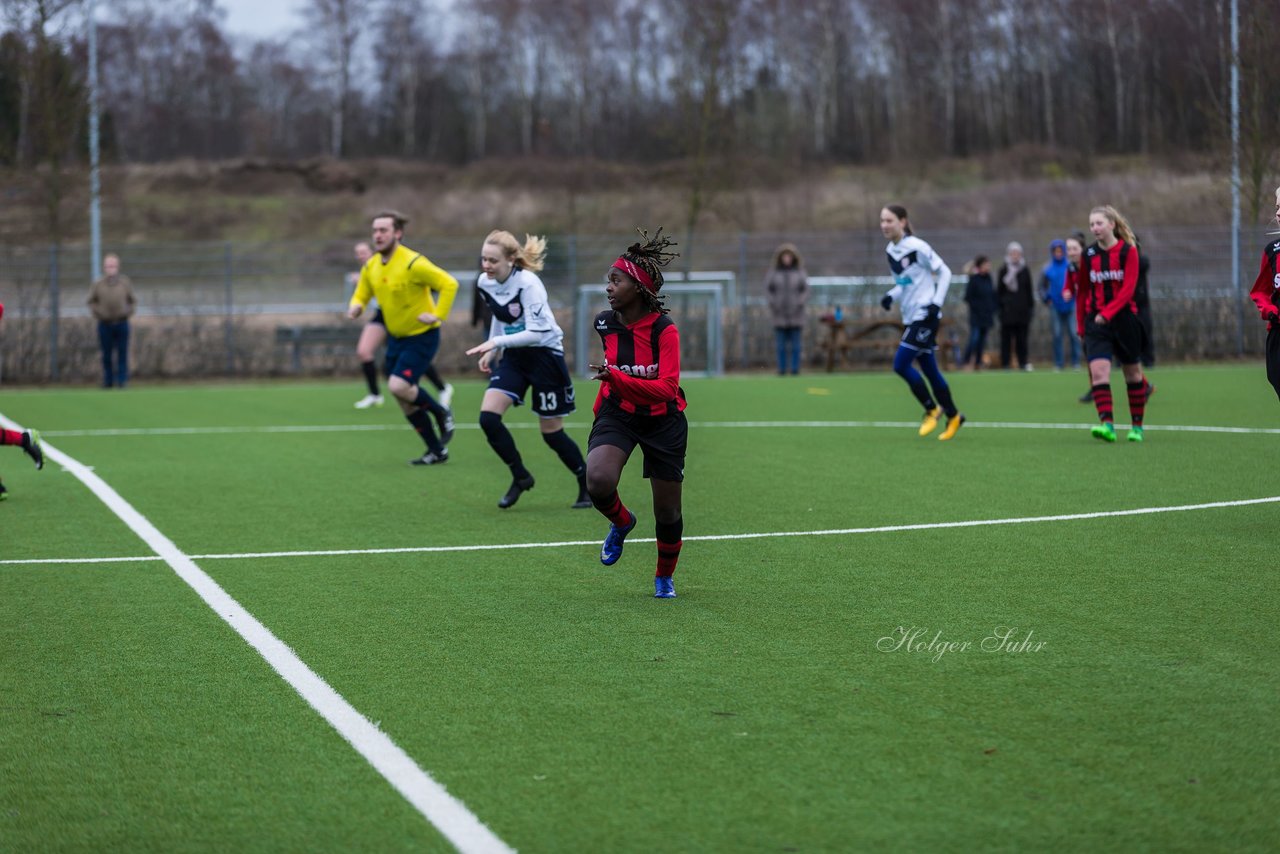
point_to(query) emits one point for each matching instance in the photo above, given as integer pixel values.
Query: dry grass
(267, 200)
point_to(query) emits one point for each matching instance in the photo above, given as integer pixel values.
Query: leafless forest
(842, 80)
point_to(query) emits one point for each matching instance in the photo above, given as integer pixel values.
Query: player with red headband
(1265, 294)
(640, 403)
(28, 440)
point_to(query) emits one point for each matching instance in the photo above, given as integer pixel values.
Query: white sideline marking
(449, 815)
(830, 532)
(749, 425)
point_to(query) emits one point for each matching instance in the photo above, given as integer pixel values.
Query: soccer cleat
(930, 421)
(1087, 397)
(1135, 433)
(663, 587)
(31, 445)
(431, 458)
(518, 485)
(1151, 389)
(1106, 431)
(612, 548)
(445, 422)
(446, 396)
(954, 424)
(368, 401)
(4, 493)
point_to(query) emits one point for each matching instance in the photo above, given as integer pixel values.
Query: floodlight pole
(1235, 172)
(95, 187)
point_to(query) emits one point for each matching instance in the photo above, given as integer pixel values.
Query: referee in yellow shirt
(415, 296)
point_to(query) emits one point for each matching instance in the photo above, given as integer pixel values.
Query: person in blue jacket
(1062, 307)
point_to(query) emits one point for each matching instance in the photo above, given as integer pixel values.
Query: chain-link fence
(248, 309)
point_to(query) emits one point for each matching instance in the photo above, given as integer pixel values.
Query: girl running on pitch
(1265, 294)
(922, 278)
(640, 402)
(1107, 319)
(525, 348)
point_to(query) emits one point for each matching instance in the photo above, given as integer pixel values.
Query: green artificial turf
(768, 708)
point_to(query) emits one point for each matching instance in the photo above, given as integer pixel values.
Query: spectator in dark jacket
(1014, 294)
(980, 294)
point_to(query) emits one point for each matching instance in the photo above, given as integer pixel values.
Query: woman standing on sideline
(373, 336)
(1265, 294)
(787, 289)
(1062, 308)
(1013, 292)
(525, 348)
(112, 302)
(922, 278)
(640, 402)
(980, 294)
(1108, 320)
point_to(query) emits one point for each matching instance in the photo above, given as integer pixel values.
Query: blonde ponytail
(531, 256)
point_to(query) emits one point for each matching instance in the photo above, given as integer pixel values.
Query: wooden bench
(857, 347)
(331, 339)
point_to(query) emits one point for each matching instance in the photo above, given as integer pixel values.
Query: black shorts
(1123, 338)
(545, 370)
(378, 319)
(921, 335)
(662, 438)
(410, 356)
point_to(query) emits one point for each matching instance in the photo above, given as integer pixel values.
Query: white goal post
(698, 310)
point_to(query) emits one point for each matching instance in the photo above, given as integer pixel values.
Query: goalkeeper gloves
(933, 313)
(886, 302)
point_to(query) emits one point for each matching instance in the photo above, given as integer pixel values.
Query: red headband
(636, 273)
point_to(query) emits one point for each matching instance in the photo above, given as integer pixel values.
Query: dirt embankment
(258, 199)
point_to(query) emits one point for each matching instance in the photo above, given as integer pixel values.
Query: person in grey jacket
(787, 289)
(112, 302)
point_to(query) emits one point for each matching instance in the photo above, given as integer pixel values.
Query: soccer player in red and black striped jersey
(1107, 319)
(640, 403)
(1265, 294)
(28, 440)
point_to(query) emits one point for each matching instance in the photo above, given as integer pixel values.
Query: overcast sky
(261, 18)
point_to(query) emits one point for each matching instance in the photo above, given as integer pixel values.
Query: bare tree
(56, 103)
(334, 27)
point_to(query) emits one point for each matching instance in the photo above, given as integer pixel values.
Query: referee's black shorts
(1123, 337)
(662, 438)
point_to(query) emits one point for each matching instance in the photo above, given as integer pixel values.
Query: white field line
(449, 815)
(830, 532)
(749, 425)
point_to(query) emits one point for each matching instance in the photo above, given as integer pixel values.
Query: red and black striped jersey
(1265, 292)
(644, 364)
(1108, 279)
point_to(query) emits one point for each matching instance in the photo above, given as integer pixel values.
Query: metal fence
(217, 309)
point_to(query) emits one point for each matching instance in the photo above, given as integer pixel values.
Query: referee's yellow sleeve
(364, 289)
(435, 279)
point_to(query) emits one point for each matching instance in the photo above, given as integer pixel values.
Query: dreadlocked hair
(651, 256)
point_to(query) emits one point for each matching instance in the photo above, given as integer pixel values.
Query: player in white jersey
(921, 280)
(525, 348)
